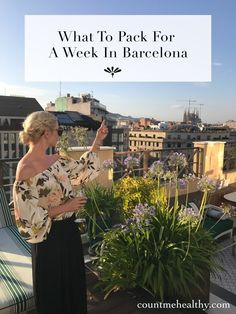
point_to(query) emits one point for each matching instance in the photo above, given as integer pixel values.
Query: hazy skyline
(163, 101)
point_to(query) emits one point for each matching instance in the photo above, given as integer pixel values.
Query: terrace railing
(7, 174)
(229, 157)
(147, 157)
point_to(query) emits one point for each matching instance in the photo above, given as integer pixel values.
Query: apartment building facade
(85, 104)
(174, 139)
(13, 111)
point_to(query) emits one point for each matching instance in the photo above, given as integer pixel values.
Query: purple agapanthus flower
(188, 215)
(189, 177)
(177, 160)
(206, 184)
(182, 183)
(169, 175)
(109, 164)
(142, 215)
(131, 162)
(156, 170)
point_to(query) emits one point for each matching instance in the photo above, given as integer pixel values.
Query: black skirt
(59, 280)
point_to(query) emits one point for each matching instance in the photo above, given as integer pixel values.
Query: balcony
(206, 158)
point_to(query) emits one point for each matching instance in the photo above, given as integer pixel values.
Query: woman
(44, 205)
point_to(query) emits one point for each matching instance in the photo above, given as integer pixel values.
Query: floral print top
(52, 187)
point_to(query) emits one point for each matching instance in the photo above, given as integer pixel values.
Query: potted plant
(71, 137)
(161, 248)
(100, 211)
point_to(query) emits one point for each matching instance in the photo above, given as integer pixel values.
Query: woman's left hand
(102, 132)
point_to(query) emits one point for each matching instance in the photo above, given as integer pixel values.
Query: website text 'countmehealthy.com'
(178, 305)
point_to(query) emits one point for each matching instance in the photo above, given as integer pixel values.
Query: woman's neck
(38, 150)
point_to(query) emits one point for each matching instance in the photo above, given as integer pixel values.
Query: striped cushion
(16, 289)
(217, 227)
(5, 213)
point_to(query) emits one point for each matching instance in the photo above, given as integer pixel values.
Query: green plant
(158, 254)
(130, 191)
(161, 248)
(100, 208)
(72, 136)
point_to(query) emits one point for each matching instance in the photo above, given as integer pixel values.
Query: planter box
(197, 296)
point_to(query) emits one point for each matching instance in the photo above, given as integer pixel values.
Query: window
(121, 137)
(114, 137)
(5, 146)
(12, 144)
(12, 138)
(5, 138)
(21, 150)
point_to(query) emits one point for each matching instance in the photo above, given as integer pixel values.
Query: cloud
(202, 84)
(43, 96)
(18, 90)
(217, 64)
(178, 106)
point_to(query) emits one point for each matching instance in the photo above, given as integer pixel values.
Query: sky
(159, 100)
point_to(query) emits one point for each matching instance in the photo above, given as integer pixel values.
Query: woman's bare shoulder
(28, 167)
(25, 170)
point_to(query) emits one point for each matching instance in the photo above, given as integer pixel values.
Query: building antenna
(189, 102)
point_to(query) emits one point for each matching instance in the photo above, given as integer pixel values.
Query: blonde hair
(35, 124)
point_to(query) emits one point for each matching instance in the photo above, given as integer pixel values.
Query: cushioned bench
(221, 228)
(16, 290)
(218, 228)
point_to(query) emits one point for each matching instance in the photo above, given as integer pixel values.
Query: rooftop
(221, 289)
(16, 106)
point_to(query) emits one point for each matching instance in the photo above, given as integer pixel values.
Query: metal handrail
(147, 159)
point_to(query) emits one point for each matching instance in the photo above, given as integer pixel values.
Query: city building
(231, 124)
(85, 104)
(182, 136)
(87, 111)
(120, 139)
(123, 123)
(143, 123)
(13, 111)
(191, 117)
(76, 119)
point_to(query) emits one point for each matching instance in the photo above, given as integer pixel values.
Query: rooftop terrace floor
(221, 291)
